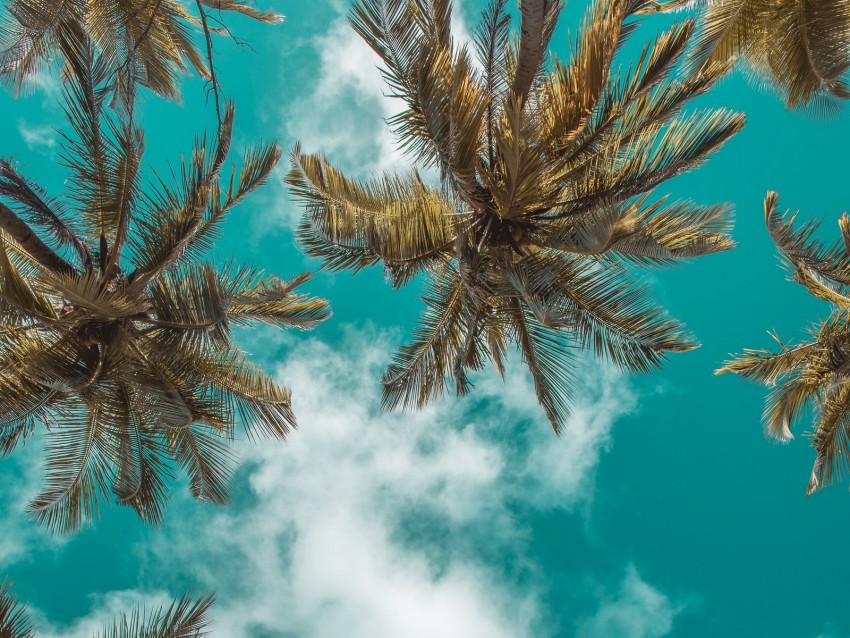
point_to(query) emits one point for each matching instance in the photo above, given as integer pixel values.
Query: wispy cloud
(344, 115)
(637, 611)
(38, 137)
(21, 481)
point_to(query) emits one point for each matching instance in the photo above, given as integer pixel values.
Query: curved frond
(79, 469)
(206, 459)
(550, 358)
(393, 219)
(419, 370)
(802, 249)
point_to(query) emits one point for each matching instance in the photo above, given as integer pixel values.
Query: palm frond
(446, 107)
(831, 441)
(145, 42)
(491, 39)
(550, 358)
(78, 469)
(801, 248)
(603, 309)
(662, 233)
(419, 370)
(186, 617)
(171, 231)
(143, 469)
(206, 459)
(38, 208)
(393, 219)
(571, 93)
(14, 619)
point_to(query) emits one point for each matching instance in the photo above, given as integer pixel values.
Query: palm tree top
(146, 42)
(116, 334)
(547, 170)
(811, 375)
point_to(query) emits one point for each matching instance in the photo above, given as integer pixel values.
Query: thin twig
(213, 80)
(239, 42)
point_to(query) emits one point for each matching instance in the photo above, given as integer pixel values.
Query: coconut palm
(149, 42)
(800, 47)
(186, 617)
(547, 170)
(115, 335)
(811, 375)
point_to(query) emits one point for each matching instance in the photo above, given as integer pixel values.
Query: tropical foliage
(810, 377)
(147, 42)
(186, 617)
(547, 170)
(799, 47)
(116, 335)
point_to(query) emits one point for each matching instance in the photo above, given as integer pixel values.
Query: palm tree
(186, 617)
(115, 336)
(546, 176)
(149, 42)
(800, 47)
(812, 375)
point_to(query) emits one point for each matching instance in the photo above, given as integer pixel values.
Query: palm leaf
(14, 619)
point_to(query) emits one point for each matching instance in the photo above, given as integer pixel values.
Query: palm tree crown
(799, 47)
(811, 375)
(186, 617)
(149, 42)
(547, 169)
(116, 337)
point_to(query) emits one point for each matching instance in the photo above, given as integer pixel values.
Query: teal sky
(661, 511)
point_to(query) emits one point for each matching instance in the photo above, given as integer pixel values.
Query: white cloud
(21, 481)
(38, 137)
(372, 524)
(639, 611)
(45, 87)
(345, 113)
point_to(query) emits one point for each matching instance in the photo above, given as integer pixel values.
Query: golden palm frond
(146, 42)
(812, 375)
(800, 47)
(125, 357)
(547, 173)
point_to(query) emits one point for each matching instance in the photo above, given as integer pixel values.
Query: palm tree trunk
(530, 46)
(29, 241)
